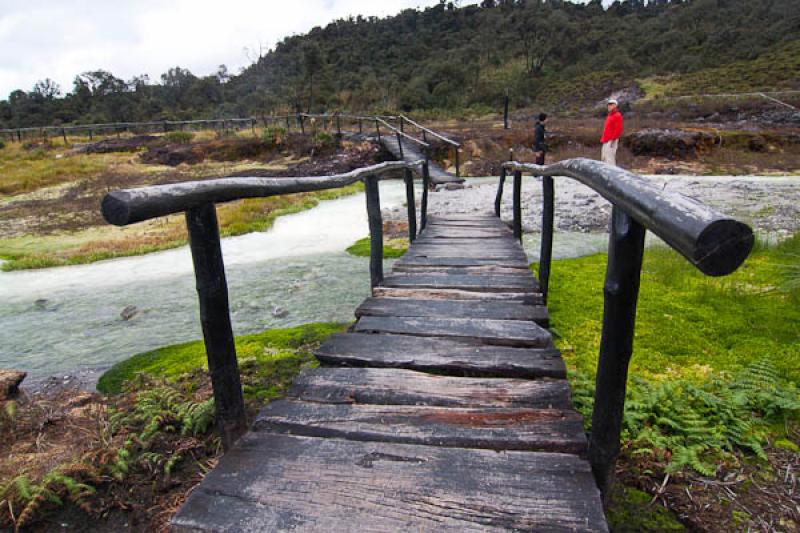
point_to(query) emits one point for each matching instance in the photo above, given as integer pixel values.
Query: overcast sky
(58, 39)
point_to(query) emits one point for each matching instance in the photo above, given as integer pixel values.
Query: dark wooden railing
(197, 199)
(715, 244)
(402, 119)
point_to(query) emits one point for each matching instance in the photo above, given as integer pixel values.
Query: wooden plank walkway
(412, 152)
(444, 408)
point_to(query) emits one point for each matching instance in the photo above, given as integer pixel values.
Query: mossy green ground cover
(392, 248)
(272, 357)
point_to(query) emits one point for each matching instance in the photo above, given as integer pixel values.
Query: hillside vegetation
(543, 52)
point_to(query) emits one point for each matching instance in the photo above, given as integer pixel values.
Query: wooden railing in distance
(197, 200)
(427, 131)
(715, 244)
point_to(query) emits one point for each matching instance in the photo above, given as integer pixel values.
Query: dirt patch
(123, 144)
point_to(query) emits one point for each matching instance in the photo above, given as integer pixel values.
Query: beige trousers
(609, 152)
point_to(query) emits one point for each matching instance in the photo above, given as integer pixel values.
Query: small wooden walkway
(444, 408)
(411, 152)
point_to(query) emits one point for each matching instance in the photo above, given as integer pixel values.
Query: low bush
(179, 137)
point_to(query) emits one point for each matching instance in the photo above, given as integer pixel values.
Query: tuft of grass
(179, 137)
(279, 353)
(392, 248)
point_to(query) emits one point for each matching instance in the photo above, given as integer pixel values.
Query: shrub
(179, 137)
(274, 136)
(323, 139)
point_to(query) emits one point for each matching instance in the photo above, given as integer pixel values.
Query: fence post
(621, 290)
(288, 124)
(546, 248)
(338, 125)
(505, 112)
(253, 126)
(411, 205)
(302, 125)
(90, 134)
(212, 291)
(360, 126)
(423, 208)
(64, 134)
(378, 129)
(400, 144)
(499, 198)
(518, 205)
(458, 164)
(375, 230)
(19, 135)
(401, 123)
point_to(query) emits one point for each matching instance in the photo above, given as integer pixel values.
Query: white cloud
(57, 39)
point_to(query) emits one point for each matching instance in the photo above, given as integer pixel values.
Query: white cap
(613, 101)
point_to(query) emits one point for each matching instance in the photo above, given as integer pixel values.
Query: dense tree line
(446, 57)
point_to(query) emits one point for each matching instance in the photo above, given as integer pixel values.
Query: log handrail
(430, 131)
(717, 245)
(712, 242)
(198, 199)
(127, 206)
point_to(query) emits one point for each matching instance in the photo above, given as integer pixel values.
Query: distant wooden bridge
(445, 407)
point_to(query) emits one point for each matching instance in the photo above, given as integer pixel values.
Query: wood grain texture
(274, 482)
(552, 430)
(440, 355)
(480, 330)
(532, 298)
(454, 261)
(495, 283)
(496, 310)
(391, 386)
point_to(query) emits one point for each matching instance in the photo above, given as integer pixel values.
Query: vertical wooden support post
(288, 124)
(517, 205)
(302, 126)
(378, 129)
(338, 125)
(424, 136)
(19, 135)
(212, 291)
(411, 206)
(458, 164)
(401, 123)
(90, 134)
(400, 144)
(499, 198)
(375, 230)
(621, 290)
(253, 126)
(505, 112)
(64, 135)
(426, 184)
(360, 126)
(546, 248)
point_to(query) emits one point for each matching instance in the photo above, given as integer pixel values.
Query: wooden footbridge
(445, 407)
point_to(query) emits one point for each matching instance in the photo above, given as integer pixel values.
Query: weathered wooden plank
(550, 430)
(440, 354)
(472, 252)
(274, 482)
(463, 223)
(497, 310)
(498, 242)
(392, 386)
(473, 233)
(454, 261)
(484, 270)
(496, 283)
(531, 298)
(499, 332)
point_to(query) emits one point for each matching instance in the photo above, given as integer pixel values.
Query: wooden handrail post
(426, 184)
(338, 126)
(517, 224)
(378, 129)
(411, 205)
(499, 198)
(546, 247)
(375, 219)
(212, 291)
(400, 144)
(401, 123)
(360, 126)
(458, 165)
(621, 290)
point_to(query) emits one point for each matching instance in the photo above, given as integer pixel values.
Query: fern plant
(689, 425)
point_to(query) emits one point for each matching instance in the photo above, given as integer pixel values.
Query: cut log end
(722, 247)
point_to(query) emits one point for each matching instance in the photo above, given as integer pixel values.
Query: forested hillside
(548, 52)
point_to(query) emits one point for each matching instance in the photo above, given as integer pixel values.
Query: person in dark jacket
(539, 144)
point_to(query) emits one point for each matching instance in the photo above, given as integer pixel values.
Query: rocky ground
(770, 204)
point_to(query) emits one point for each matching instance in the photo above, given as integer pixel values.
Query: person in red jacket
(612, 131)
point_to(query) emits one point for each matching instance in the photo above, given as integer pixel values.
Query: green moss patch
(392, 248)
(279, 353)
(632, 512)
